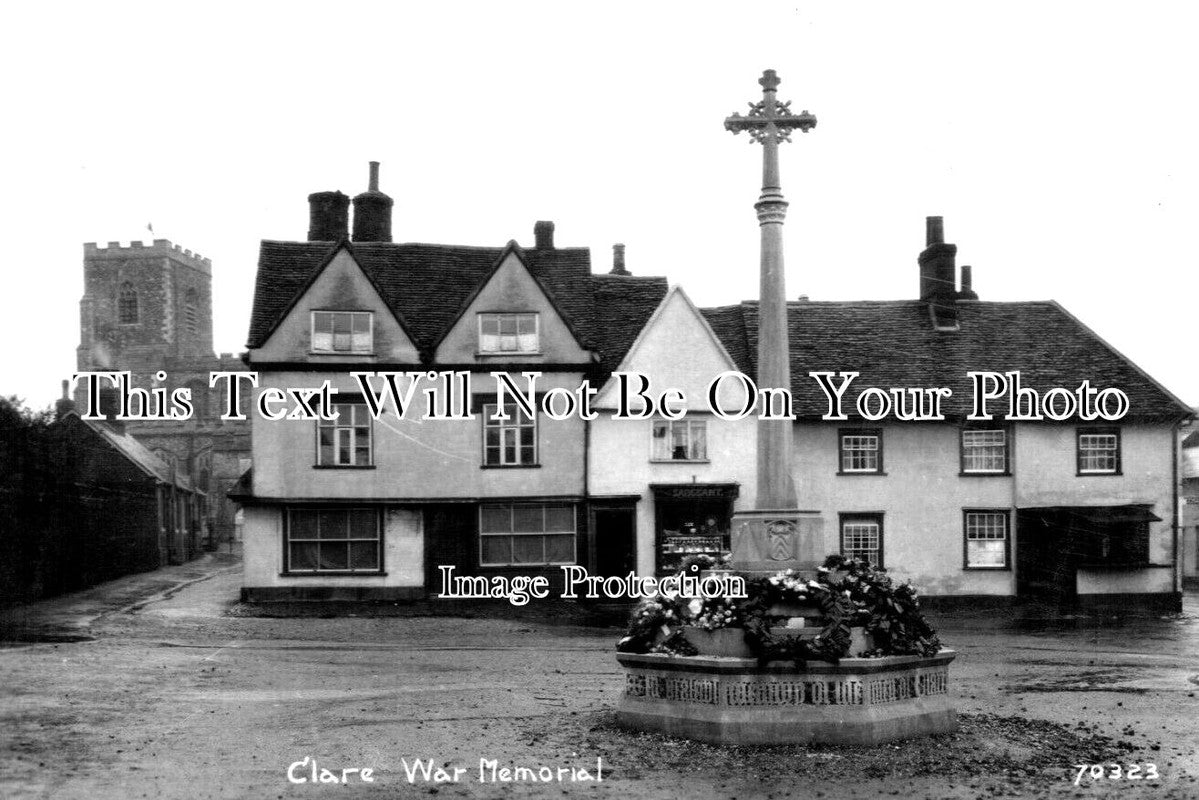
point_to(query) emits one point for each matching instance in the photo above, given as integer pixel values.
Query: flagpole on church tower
(775, 535)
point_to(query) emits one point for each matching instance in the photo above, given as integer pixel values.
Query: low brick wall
(736, 701)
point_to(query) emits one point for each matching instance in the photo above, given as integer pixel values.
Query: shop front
(691, 519)
(1071, 556)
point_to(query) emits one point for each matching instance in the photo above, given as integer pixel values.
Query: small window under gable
(505, 332)
(343, 332)
(680, 440)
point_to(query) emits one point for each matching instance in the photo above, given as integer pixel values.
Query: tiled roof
(894, 344)
(137, 453)
(244, 488)
(623, 304)
(428, 285)
(728, 323)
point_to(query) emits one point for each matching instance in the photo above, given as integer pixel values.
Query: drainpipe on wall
(1175, 431)
(592, 545)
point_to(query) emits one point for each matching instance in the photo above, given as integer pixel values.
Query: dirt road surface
(147, 687)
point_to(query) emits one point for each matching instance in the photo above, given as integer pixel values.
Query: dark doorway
(451, 538)
(615, 533)
(1046, 567)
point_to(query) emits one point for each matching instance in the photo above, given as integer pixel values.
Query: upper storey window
(509, 333)
(127, 310)
(680, 440)
(342, 332)
(861, 451)
(1098, 451)
(984, 452)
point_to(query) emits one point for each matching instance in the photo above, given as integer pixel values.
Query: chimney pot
(618, 267)
(543, 234)
(373, 185)
(967, 292)
(934, 231)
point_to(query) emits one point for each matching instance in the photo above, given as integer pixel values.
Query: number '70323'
(1116, 772)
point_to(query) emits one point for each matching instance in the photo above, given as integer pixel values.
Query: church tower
(147, 308)
(144, 306)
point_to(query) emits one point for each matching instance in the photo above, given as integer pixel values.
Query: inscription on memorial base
(735, 701)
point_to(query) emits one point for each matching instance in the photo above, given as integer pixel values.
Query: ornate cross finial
(770, 119)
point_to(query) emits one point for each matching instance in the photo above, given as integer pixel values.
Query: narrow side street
(145, 688)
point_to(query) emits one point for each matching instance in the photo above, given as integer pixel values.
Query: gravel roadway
(162, 686)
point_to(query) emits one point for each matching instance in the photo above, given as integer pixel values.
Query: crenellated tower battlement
(156, 248)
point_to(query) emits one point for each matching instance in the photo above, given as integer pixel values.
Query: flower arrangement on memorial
(846, 592)
(889, 612)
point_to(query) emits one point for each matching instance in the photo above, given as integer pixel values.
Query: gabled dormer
(338, 316)
(511, 318)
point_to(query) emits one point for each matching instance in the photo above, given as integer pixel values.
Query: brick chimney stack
(64, 405)
(938, 278)
(372, 211)
(618, 267)
(328, 217)
(543, 234)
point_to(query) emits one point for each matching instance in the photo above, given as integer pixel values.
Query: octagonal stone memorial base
(735, 701)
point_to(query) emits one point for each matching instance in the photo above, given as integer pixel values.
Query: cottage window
(1098, 451)
(345, 441)
(523, 534)
(984, 452)
(861, 451)
(510, 442)
(680, 440)
(987, 539)
(333, 540)
(862, 537)
(127, 306)
(343, 331)
(508, 333)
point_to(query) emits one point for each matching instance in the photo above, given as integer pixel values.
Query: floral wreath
(847, 592)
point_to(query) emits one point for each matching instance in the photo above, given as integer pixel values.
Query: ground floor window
(520, 534)
(333, 540)
(986, 539)
(862, 537)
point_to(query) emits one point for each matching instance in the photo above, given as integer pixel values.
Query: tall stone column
(775, 534)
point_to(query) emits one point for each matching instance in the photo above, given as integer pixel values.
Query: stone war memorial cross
(744, 683)
(776, 534)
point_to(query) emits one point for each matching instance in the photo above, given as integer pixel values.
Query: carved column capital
(771, 209)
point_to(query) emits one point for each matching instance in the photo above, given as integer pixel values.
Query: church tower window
(190, 317)
(127, 310)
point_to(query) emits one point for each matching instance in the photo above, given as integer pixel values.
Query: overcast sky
(1058, 140)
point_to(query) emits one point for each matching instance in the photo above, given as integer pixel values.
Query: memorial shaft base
(858, 701)
(768, 541)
